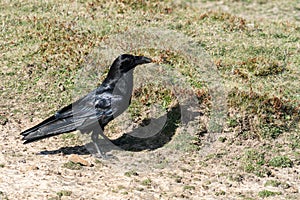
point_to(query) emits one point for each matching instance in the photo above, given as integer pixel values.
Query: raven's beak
(142, 60)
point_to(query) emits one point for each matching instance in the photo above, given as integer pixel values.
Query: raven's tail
(49, 127)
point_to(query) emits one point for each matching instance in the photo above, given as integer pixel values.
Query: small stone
(32, 167)
(293, 190)
(76, 159)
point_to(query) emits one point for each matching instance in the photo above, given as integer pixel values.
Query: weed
(281, 161)
(99, 162)
(147, 182)
(220, 193)
(272, 183)
(64, 193)
(271, 131)
(68, 136)
(3, 120)
(232, 122)
(253, 162)
(73, 166)
(131, 173)
(189, 187)
(222, 139)
(267, 193)
(295, 140)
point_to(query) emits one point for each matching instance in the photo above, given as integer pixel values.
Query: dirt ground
(37, 171)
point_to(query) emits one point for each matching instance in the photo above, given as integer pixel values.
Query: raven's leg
(96, 142)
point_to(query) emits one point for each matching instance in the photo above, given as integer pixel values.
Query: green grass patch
(272, 183)
(189, 187)
(219, 193)
(273, 115)
(222, 139)
(294, 140)
(232, 122)
(146, 182)
(280, 161)
(254, 162)
(69, 136)
(267, 193)
(64, 193)
(131, 173)
(73, 166)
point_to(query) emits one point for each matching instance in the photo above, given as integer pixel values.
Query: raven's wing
(91, 108)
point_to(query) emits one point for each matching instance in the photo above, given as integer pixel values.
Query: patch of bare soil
(42, 171)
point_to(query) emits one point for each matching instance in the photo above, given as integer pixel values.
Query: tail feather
(49, 127)
(42, 124)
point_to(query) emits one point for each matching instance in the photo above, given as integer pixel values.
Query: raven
(100, 106)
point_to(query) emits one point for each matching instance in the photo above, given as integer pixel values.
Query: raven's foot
(99, 153)
(104, 156)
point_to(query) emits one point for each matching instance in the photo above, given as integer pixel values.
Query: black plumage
(101, 105)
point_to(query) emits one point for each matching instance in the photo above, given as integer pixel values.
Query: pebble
(76, 159)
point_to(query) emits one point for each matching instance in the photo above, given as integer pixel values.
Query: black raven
(100, 106)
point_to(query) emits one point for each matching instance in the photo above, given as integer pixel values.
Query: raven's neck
(112, 79)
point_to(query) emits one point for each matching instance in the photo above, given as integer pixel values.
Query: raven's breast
(122, 94)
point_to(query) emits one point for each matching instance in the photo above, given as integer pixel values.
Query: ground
(253, 47)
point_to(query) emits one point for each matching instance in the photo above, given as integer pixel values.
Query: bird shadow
(132, 142)
(129, 141)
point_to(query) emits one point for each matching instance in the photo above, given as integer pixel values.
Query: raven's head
(126, 62)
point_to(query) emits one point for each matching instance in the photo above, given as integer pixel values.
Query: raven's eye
(127, 63)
